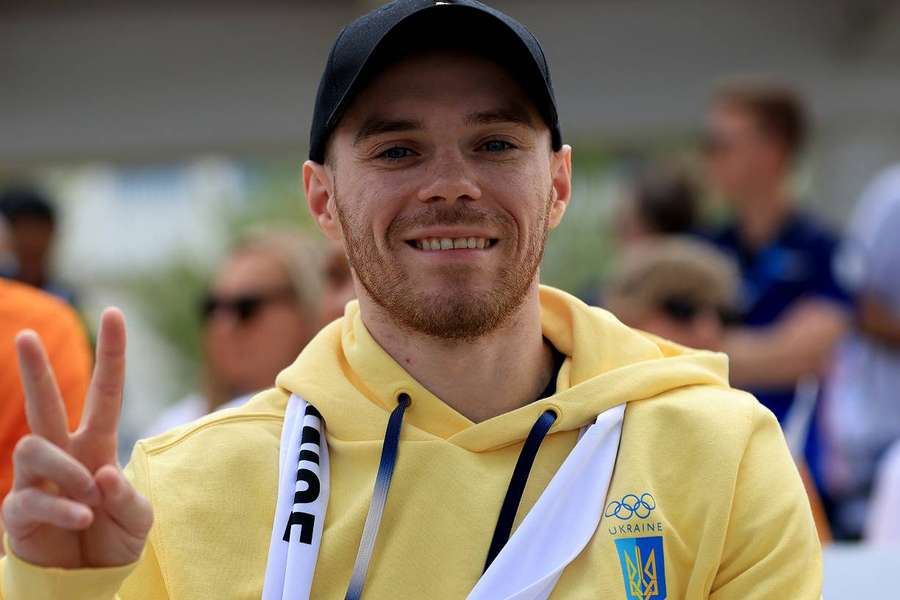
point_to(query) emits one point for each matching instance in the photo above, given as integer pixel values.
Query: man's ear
(561, 173)
(319, 188)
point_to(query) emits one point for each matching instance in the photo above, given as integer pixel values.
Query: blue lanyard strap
(383, 483)
(517, 484)
(379, 497)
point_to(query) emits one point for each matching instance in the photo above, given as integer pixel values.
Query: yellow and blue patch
(643, 567)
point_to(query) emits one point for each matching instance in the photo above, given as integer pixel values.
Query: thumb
(124, 505)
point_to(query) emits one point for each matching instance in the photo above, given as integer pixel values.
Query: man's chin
(453, 318)
(455, 291)
(449, 301)
(454, 312)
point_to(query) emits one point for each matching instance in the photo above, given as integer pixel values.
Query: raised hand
(70, 505)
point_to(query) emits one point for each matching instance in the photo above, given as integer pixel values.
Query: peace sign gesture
(70, 505)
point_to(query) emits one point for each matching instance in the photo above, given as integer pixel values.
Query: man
(792, 308)
(456, 384)
(862, 420)
(32, 223)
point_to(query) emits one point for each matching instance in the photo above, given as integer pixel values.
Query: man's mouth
(461, 243)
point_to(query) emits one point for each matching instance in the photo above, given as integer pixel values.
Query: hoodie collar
(606, 364)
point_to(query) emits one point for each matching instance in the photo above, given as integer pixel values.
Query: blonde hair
(299, 253)
(659, 269)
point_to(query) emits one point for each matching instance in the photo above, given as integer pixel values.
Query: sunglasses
(244, 307)
(685, 310)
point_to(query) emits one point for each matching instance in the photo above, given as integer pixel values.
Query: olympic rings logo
(631, 506)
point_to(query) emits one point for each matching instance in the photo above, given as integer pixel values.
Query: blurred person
(67, 349)
(661, 201)
(862, 395)
(7, 258)
(261, 310)
(23, 307)
(31, 217)
(792, 308)
(459, 416)
(337, 286)
(685, 291)
(679, 289)
(882, 520)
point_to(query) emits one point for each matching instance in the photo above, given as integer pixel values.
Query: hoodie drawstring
(379, 497)
(383, 483)
(517, 483)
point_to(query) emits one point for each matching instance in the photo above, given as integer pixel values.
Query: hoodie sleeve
(771, 548)
(143, 579)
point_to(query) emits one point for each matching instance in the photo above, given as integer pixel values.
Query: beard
(465, 314)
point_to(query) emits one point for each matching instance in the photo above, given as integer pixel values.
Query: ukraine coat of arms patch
(643, 567)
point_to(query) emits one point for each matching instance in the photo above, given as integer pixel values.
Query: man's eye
(396, 153)
(496, 146)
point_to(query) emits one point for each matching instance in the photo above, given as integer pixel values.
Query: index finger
(44, 409)
(101, 411)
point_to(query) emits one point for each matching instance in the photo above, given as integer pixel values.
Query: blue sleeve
(826, 283)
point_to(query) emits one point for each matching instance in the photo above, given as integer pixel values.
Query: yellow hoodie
(729, 510)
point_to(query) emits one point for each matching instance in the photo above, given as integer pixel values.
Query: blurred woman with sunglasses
(262, 308)
(685, 291)
(676, 288)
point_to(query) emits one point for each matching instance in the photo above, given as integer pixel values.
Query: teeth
(452, 243)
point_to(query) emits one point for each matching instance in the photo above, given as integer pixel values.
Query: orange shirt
(24, 307)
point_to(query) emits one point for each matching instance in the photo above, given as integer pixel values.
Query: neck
(480, 378)
(761, 214)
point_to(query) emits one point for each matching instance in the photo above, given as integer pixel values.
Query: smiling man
(462, 432)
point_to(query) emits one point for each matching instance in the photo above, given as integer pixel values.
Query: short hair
(23, 201)
(653, 271)
(666, 201)
(777, 108)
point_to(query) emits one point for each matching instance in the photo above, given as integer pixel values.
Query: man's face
(444, 185)
(740, 155)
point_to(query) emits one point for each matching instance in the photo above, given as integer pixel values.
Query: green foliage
(169, 300)
(274, 195)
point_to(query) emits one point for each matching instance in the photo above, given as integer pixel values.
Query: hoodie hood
(354, 383)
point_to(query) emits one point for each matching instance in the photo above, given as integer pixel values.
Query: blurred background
(162, 132)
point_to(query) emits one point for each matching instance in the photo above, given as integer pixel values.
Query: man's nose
(449, 178)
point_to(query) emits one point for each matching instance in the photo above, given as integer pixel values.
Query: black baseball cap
(375, 40)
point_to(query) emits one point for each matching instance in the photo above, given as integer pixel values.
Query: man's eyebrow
(377, 125)
(513, 113)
